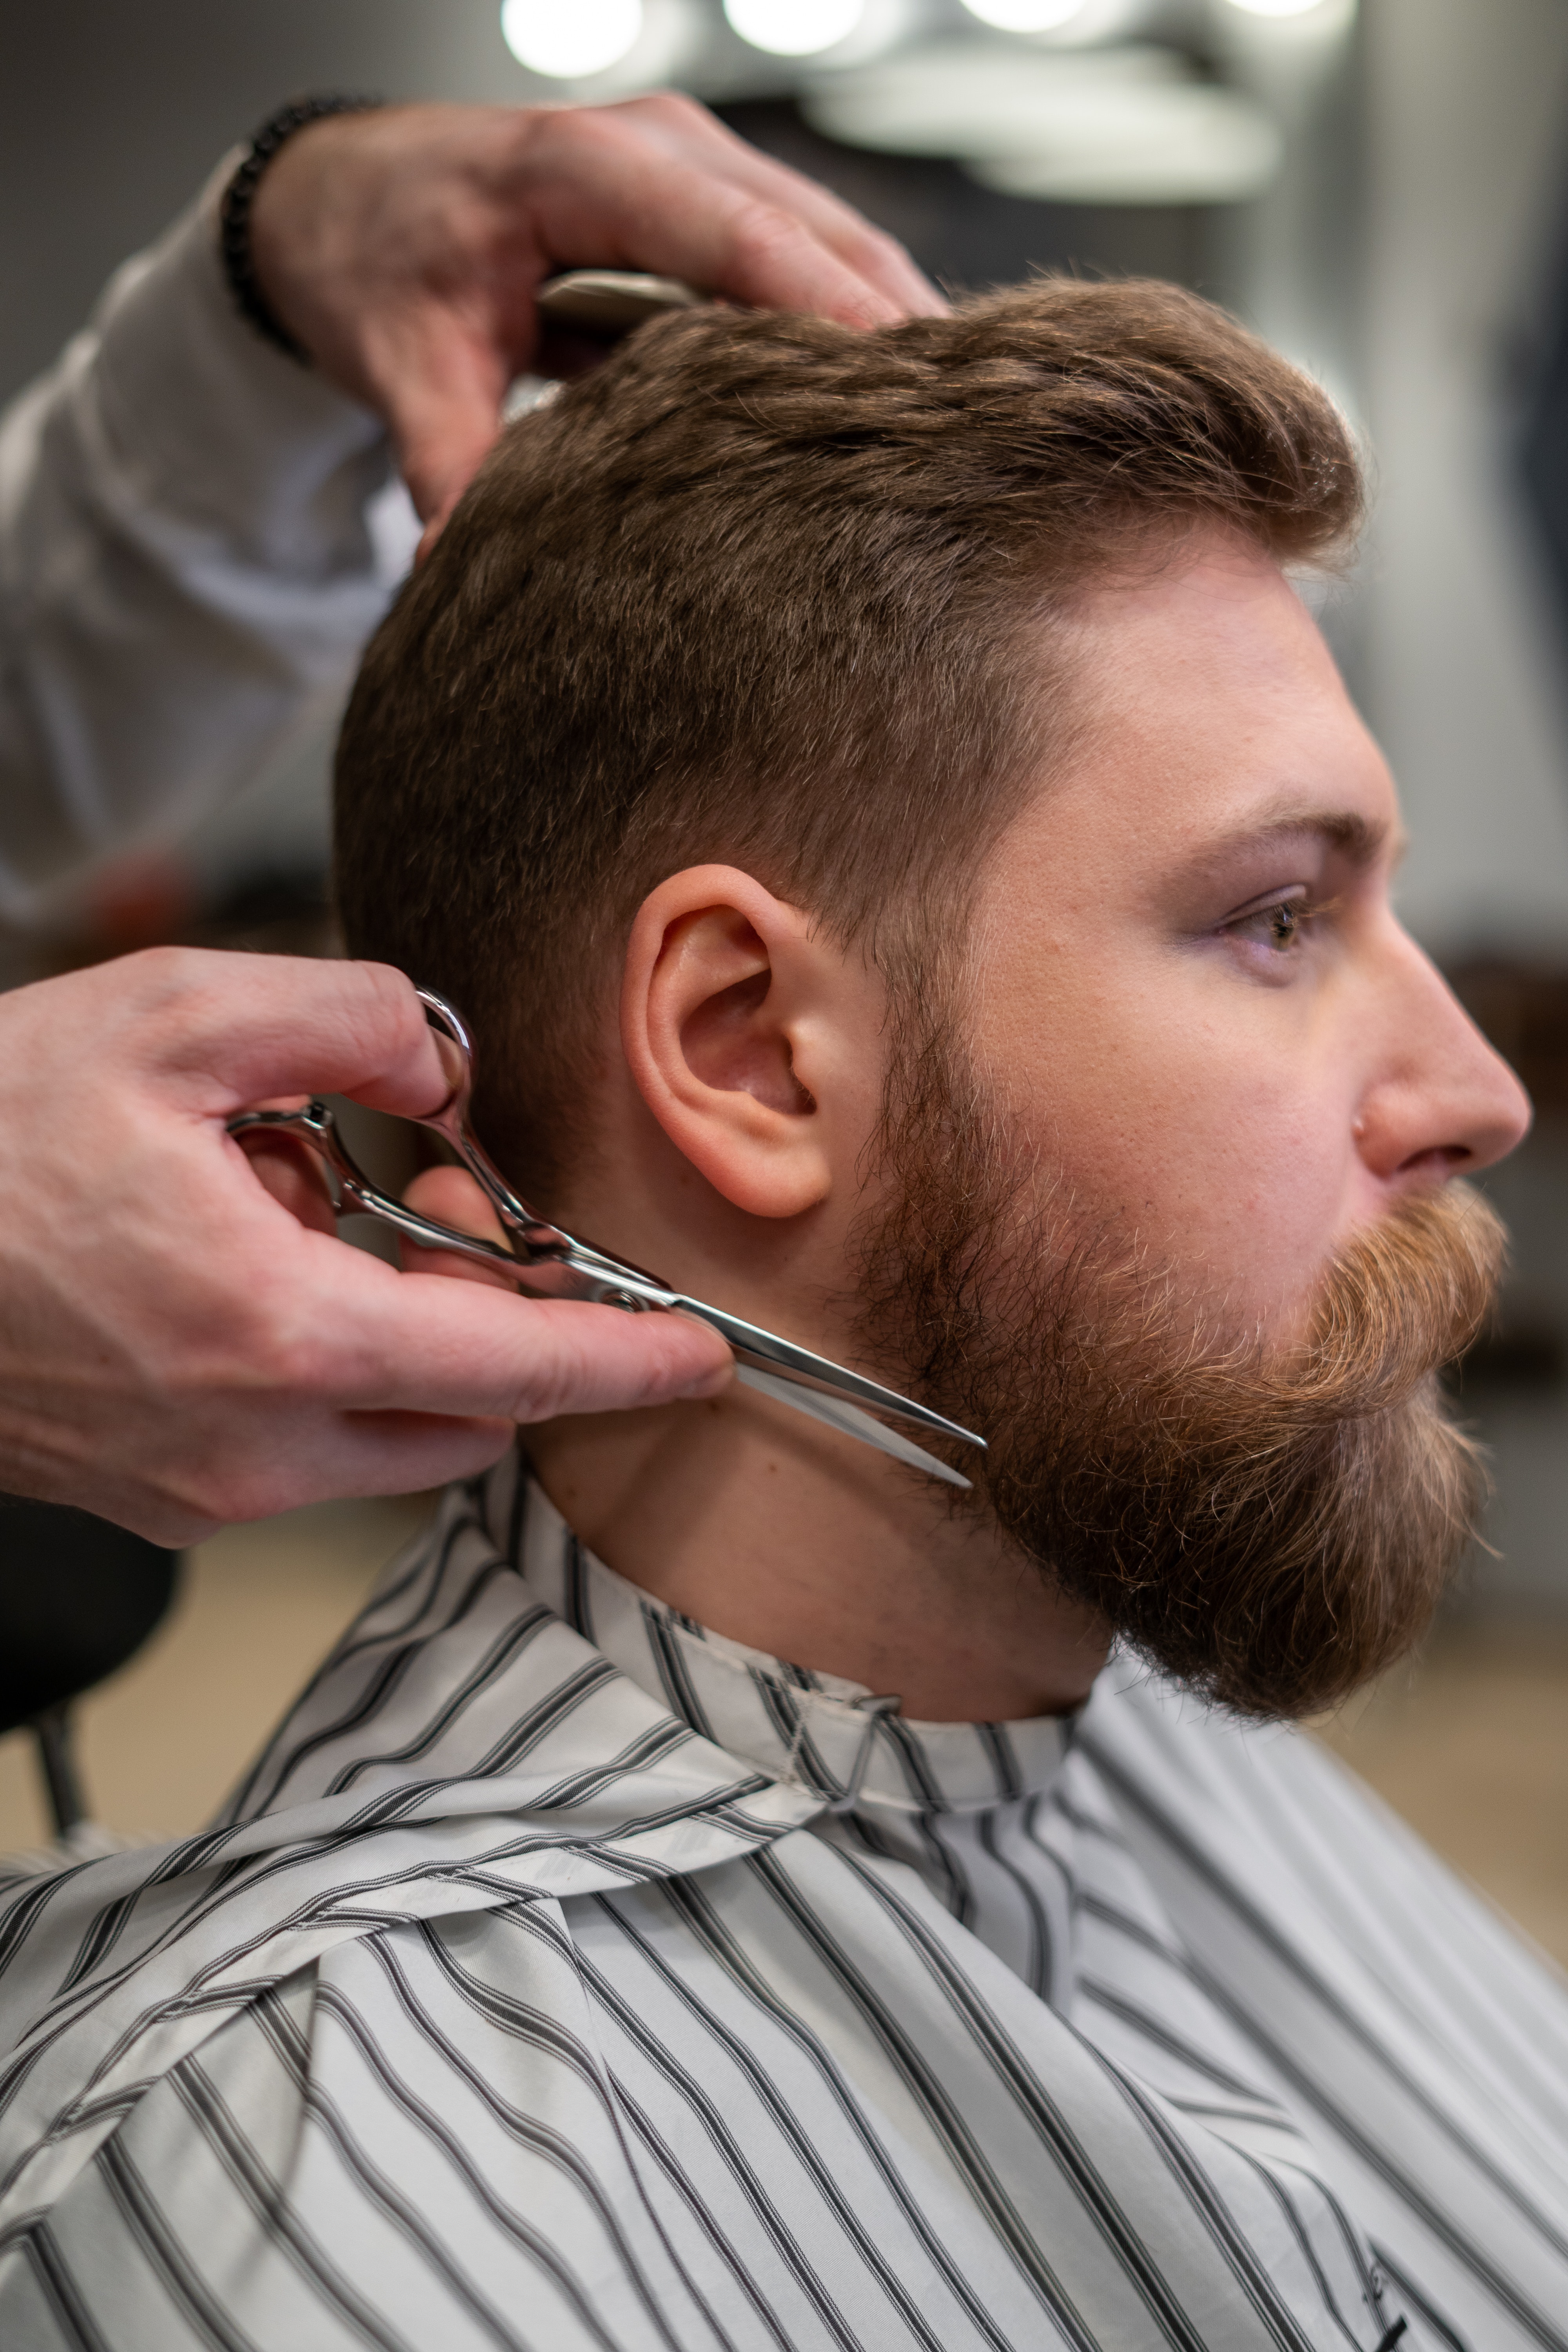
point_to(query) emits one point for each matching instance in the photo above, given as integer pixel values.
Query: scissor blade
(839, 1414)
(784, 1357)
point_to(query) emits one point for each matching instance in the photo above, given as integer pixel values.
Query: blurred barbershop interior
(1382, 190)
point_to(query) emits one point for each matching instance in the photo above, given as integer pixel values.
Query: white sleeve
(187, 568)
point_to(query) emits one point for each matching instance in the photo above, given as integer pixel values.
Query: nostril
(1435, 1163)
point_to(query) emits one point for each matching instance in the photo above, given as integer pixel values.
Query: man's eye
(1281, 926)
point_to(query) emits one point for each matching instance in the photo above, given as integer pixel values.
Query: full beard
(1272, 1529)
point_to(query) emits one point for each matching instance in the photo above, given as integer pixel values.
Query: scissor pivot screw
(623, 1300)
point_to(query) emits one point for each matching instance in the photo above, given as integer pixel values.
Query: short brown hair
(754, 591)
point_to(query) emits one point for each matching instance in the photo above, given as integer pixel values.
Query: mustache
(1404, 1297)
(1407, 1295)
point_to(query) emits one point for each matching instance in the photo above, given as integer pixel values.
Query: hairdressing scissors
(545, 1261)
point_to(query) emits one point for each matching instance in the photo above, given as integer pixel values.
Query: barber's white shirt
(188, 572)
(568, 1980)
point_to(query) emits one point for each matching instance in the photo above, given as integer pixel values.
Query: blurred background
(1382, 191)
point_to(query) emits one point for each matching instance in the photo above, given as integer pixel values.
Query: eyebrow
(1360, 840)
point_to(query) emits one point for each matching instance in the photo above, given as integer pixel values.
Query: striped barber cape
(565, 1977)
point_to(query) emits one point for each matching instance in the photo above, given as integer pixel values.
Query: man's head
(914, 738)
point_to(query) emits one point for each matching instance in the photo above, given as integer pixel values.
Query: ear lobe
(717, 978)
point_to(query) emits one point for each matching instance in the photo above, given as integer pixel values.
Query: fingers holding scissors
(451, 1196)
(292, 1174)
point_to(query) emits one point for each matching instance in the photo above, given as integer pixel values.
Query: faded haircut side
(770, 592)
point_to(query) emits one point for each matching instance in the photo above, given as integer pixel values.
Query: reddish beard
(1271, 1528)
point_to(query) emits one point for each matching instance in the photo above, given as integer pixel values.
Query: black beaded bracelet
(239, 263)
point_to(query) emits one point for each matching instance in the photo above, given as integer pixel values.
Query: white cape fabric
(567, 1977)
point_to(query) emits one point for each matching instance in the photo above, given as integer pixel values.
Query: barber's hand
(176, 1348)
(402, 248)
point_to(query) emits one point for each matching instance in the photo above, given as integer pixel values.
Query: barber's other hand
(402, 248)
(176, 1348)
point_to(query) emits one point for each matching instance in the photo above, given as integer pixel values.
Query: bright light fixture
(570, 39)
(1025, 16)
(1194, 145)
(1120, 126)
(795, 28)
(963, 97)
(1275, 7)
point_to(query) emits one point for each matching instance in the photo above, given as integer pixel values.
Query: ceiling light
(1024, 15)
(963, 97)
(1131, 125)
(795, 28)
(1180, 146)
(570, 42)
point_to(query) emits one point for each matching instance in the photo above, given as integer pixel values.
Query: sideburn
(1270, 1532)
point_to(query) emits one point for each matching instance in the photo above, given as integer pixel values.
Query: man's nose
(1444, 1094)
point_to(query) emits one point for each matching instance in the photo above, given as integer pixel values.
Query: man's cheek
(1251, 1206)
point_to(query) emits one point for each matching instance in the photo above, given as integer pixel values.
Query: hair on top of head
(754, 591)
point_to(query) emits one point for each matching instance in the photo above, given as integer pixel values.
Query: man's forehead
(1214, 721)
(1213, 649)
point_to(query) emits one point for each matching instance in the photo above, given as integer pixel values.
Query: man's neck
(773, 1531)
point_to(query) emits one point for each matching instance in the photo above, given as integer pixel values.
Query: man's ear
(741, 1036)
